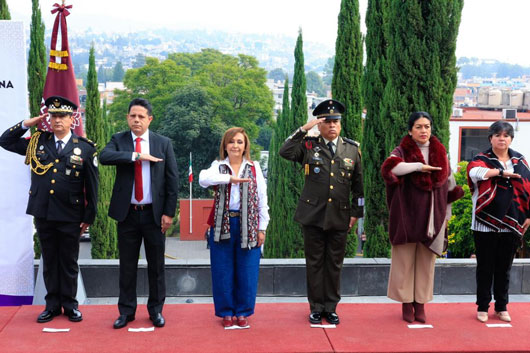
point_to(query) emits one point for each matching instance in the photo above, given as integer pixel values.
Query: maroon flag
(60, 79)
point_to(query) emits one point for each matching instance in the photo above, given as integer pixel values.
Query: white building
(468, 128)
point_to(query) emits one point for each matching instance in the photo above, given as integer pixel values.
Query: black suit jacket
(164, 176)
(68, 191)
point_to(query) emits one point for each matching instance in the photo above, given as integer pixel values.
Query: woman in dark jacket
(499, 179)
(419, 187)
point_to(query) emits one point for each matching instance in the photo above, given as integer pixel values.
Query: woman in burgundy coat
(420, 188)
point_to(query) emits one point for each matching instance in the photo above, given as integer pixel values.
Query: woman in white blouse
(238, 222)
(499, 179)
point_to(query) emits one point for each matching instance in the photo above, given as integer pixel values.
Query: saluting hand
(429, 168)
(148, 157)
(34, 121)
(309, 125)
(236, 180)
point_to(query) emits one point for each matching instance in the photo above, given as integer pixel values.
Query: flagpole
(190, 180)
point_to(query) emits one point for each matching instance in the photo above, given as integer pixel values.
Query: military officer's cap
(330, 109)
(59, 105)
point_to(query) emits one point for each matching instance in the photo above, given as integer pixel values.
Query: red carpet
(274, 328)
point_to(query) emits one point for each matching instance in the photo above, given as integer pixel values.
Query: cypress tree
(346, 82)
(37, 60)
(374, 81)
(4, 11)
(103, 231)
(421, 37)
(291, 179)
(283, 234)
(348, 68)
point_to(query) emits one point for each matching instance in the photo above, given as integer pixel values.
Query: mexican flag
(190, 172)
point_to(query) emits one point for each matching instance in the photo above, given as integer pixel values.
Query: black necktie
(330, 145)
(59, 146)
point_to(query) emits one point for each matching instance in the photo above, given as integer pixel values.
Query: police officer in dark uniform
(62, 198)
(330, 203)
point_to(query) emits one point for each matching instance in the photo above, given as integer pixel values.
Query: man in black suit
(143, 202)
(62, 198)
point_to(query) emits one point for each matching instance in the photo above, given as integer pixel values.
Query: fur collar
(409, 151)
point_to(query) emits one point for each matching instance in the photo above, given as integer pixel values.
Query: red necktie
(138, 184)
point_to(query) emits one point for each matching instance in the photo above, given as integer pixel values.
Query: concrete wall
(360, 277)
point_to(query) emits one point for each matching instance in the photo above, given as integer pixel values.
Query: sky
(490, 29)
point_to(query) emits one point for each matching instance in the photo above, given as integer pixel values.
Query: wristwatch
(501, 173)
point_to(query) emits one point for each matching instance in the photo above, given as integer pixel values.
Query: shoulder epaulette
(351, 142)
(90, 142)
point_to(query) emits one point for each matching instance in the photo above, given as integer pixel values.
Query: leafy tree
(4, 11)
(118, 73)
(315, 84)
(265, 136)
(348, 68)
(139, 61)
(237, 85)
(103, 231)
(374, 81)
(461, 242)
(190, 123)
(277, 74)
(37, 60)
(156, 81)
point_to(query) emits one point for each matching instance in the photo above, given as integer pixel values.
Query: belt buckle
(234, 214)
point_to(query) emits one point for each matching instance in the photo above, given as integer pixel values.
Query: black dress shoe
(315, 317)
(48, 315)
(332, 318)
(122, 320)
(158, 320)
(74, 315)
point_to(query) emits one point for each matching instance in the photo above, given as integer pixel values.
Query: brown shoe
(419, 312)
(408, 312)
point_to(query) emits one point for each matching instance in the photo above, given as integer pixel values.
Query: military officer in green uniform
(330, 203)
(62, 199)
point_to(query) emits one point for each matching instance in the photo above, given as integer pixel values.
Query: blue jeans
(234, 274)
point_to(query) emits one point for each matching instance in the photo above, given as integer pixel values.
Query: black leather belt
(144, 207)
(234, 214)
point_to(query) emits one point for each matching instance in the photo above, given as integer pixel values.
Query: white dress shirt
(477, 174)
(146, 170)
(64, 139)
(211, 176)
(335, 141)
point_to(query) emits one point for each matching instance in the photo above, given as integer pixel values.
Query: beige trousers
(411, 273)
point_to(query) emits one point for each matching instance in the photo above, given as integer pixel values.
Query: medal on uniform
(77, 151)
(76, 174)
(306, 167)
(41, 147)
(316, 149)
(316, 154)
(316, 170)
(68, 171)
(348, 162)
